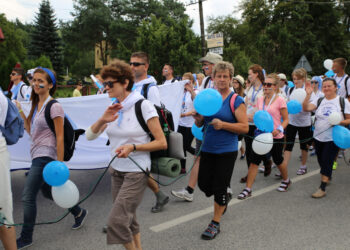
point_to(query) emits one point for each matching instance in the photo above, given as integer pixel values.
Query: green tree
(175, 44)
(45, 39)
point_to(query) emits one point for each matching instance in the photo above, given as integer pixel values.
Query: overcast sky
(25, 10)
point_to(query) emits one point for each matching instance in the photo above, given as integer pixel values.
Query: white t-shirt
(319, 94)
(322, 113)
(209, 85)
(169, 81)
(187, 106)
(282, 93)
(131, 132)
(340, 82)
(251, 99)
(302, 119)
(153, 92)
(22, 91)
(3, 110)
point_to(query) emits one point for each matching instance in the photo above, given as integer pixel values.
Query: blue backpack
(14, 124)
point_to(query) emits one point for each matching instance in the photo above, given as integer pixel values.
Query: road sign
(303, 63)
(215, 40)
(217, 50)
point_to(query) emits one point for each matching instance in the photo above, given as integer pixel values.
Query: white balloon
(66, 195)
(263, 143)
(239, 145)
(328, 63)
(335, 118)
(298, 94)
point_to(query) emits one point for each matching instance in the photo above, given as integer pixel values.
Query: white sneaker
(261, 169)
(182, 194)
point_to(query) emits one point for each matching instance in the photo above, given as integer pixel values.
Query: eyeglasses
(14, 74)
(109, 84)
(268, 84)
(314, 82)
(136, 64)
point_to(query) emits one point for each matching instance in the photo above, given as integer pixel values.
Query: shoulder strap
(346, 86)
(206, 82)
(139, 116)
(48, 119)
(342, 105)
(319, 102)
(174, 79)
(291, 90)
(20, 90)
(145, 89)
(232, 103)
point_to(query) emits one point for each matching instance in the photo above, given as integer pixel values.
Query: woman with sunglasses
(256, 77)
(326, 150)
(277, 108)
(127, 138)
(46, 147)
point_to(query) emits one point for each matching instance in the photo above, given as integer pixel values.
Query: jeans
(33, 184)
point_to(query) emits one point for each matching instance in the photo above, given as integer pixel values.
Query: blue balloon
(208, 102)
(263, 121)
(329, 73)
(197, 132)
(56, 173)
(294, 107)
(341, 137)
(290, 84)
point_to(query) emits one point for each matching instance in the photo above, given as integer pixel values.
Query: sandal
(244, 194)
(302, 171)
(243, 179)
(284, 186)
(211, 232)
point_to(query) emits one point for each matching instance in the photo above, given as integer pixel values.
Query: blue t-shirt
(221, 141)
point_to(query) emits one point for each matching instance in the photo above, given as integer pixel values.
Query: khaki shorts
(127, 192)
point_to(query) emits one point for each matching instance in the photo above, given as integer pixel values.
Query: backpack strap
(346, 86)
(319, 102)
(145, 89)
(174, 79)
(206, 82)
(342, 105)
(232, 103)
(20, 90)
(139, 116)
(291, 90)
(48, 119)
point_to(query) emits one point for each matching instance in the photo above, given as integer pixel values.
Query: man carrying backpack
(139, 62)
(168, 73)
(19, 88)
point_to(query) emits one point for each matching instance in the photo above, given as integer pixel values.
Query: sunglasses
(136, 64)
(314, 82)
(30, 78)
(14, 74)
(268, 84)
(109, 84)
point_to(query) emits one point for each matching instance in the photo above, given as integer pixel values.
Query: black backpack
(346, 87)
(165, 120)
(70, 135)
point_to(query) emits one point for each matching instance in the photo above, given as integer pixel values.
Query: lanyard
(183, 101)
(269, 102)
(254, 96)
(35, 111)
(338, 83)
(15, 91)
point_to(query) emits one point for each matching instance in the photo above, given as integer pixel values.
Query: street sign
(303, 63)
(215, 40)
(217, 50)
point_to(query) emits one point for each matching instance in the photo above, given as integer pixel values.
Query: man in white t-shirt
(208, 63)
(168, 73)
(19, 88)
(339, 65)
(139, 62)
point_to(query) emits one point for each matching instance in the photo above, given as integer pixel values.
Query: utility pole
(200, 5)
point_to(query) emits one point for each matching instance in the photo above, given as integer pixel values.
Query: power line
(313, 2)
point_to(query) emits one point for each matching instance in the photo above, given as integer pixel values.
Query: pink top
(43, 140)
(274, 110)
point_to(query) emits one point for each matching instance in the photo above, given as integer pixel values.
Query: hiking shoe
(284, 186)
(183, 194)
(212, 230)
(319, 194)
(159, 205)
(335, 165)
(22, 244)
(79, 221)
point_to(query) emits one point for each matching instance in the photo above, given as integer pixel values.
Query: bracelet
(280, 128)
(20, 111)
(134, 147)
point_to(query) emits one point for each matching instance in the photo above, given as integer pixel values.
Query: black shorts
(276, 152)
(215, 172)
(305, 136)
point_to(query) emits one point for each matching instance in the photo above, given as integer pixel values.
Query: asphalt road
(267, 220)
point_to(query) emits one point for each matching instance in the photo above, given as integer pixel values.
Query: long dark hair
(35, 97)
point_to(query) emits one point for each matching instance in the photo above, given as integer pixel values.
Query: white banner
(84, 111)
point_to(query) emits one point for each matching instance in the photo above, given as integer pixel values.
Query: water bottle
(166, 130)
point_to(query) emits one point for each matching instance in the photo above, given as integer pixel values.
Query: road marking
(186, 218)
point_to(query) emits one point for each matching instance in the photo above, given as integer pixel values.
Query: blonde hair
(222, 66)
(275, 79)
(189, 76)
(300, 73)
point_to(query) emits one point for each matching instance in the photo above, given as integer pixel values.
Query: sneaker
(301, 171)
(319, 194)
(211, 232)
(104, 229)
(242, 156)
(278, 174)
(79, 221)
(284, 186)
(311, 148)
(22, 244)
(159, 205)
(335, 165)
(183, 194)
(313, 152)
(261, 169)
